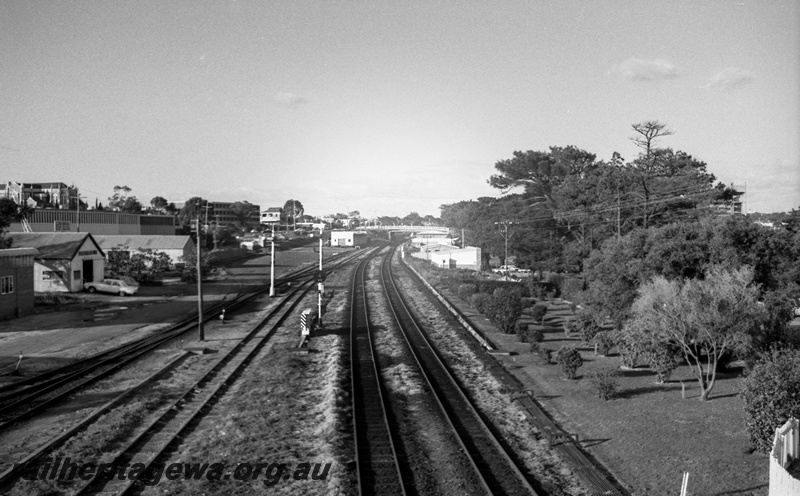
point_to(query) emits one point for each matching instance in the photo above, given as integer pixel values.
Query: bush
(604, 383)
(629, 343)
(521, 328)
(771, 395)
(586, 325)
(466, 290)
(572, 290)
(504, 309)
(604, 342)
(478, 301)
(535, 347)
(535, 336)
(570, 360)
(545, 354)
(663, 359)
(556, 281)
(527, 335)
(538, 312)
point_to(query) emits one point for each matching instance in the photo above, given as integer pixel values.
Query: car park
(124, 286)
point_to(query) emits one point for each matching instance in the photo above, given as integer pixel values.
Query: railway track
(498, 472)
(23, 399)
(377, 464)
(162, 432)
(246, 346)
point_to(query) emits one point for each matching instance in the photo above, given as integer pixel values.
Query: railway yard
(390, 395)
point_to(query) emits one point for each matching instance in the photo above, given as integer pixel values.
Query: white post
(272, 264)
(199, 287)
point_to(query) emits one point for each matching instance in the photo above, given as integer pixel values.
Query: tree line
(662, 271)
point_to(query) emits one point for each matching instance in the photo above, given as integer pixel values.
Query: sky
(388, 107)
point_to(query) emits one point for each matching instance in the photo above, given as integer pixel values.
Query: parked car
(124, 286)
(506, 268)
(511, 268)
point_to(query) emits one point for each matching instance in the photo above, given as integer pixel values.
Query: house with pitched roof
(65, 260)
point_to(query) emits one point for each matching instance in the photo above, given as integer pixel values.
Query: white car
(123, 287)
(511, 268)
(506, 268)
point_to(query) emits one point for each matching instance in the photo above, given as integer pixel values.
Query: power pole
(506, 236)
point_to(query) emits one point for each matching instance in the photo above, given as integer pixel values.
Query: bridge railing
(411, 228)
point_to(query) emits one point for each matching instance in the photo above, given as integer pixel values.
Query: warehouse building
(16, 281)
(64, 260)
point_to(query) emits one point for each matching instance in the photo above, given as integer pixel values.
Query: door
(88, 270)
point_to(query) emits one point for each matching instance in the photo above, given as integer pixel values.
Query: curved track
(377, 465)
(498, 471)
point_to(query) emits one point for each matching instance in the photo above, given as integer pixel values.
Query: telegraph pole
(506, 236)
(321, 285)
(199, 288)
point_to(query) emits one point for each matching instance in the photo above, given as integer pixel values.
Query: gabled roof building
(64, 260)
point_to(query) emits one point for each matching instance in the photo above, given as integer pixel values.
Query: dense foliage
(771, 394)
(570, 360)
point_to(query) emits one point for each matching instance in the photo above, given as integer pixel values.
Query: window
(6, 284)
(76, 275)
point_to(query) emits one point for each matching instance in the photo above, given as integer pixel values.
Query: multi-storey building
(223, 213)
(45, 195)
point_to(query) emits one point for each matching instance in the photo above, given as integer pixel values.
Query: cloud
(635, 69)
(290, 100)
(731, 78)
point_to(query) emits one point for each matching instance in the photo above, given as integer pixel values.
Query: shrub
(586, 325)
(771, 395)
(530, 335)
(504, 309)
(538, 312)
(478, 301)
(663, 359)
(604, 383)
(556, 281)
(545, 354)
(521, 328)
(570, 360)
(535, 347)
(572, 290)
(604, 342)
(629, 342)
(465, 291)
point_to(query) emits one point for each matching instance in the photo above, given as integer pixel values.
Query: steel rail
(188, 407)
(377, 465)
(47, 382)
(499, 472)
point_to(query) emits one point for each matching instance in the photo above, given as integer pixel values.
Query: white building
(448, 256)
(348, 238)
(271, 215)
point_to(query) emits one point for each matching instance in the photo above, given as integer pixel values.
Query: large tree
(9, 212)
(706, 318)
(121, 201)
(159, 203)
(193, 209)
(242, 210)
(292, 209)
